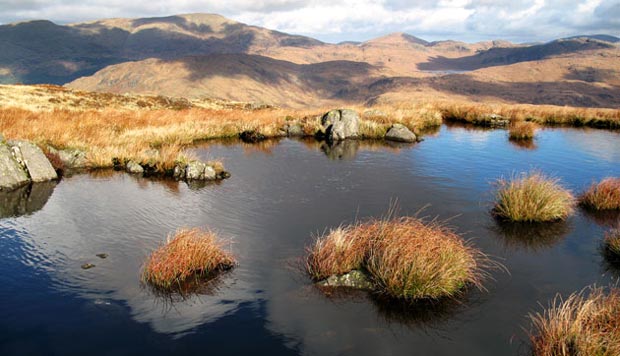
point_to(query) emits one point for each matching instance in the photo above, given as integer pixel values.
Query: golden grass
(604, 195)
(611, 243)
(540, 114)
(586, 323)
(522, 130)
(532, 197)
(189, 253)
(406, 258)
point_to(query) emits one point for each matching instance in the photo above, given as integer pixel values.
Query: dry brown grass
(540, 114)
(604, 195)
(522, 130)
(586, 323)
(406, 258)
(189, 253)
(532, 197)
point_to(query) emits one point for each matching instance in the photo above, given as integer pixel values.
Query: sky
(348, 20)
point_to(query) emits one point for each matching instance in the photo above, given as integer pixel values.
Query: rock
(209, 173)
(195, 170)
(294, 130)
(179, 171)
(354, 279)
(35, 162)
(87, 266)
(102, 255)
(400, 133)
(12, 174)
(492, 120)
(251, 136)
(133, 167)
(340, 124)
(71, 158)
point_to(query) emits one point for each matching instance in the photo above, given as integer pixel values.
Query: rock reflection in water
(532, 236)
(341, 150)
(25, 200)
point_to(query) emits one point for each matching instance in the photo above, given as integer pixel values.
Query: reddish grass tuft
(533, 197)
(405, 257)
(190, 252)
(604, 195)
(586, 323)
(612, 243)
(522, 130)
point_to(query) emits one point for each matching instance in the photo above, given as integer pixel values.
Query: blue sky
(334, 21)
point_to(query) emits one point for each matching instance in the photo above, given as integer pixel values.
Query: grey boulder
(340, 124)
(133, 167)
(400, 133)
(34, 161)
(12, 174)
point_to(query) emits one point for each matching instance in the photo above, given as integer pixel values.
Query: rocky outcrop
(22, 162)
(33, 161)
(354, 279)
(12, 174)
(400, 133)
(340, 124)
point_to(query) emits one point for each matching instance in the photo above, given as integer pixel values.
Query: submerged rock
(340, 124)
(134, 168)
(400, 133)
(12, 174)
(102, 255)
(354, 279)
(87, 266)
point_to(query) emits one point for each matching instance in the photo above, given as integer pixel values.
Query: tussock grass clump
(532, 197)
(604, 195)
(405, 258)
(586, 323)
(522, 130)
(612, 243)
(190, 252)
(414, 260)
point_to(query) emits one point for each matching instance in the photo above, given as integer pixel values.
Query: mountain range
(205, 55)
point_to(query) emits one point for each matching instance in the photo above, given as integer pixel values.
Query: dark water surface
(279, 194)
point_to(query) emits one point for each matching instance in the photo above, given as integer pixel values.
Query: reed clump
(406, 258)
(522, 130)
(532, 197)
(611, 244)
(604, 195)
(586, 323)
(187, 253)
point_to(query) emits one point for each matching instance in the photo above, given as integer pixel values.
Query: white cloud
(529, 20)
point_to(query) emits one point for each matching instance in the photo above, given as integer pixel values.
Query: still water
(279, 195)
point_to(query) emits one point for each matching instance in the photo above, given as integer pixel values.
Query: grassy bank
(549, 115)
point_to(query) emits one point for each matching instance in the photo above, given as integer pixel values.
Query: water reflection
(605, 218)
(25, 200)
(529, 145)
(531, 236)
